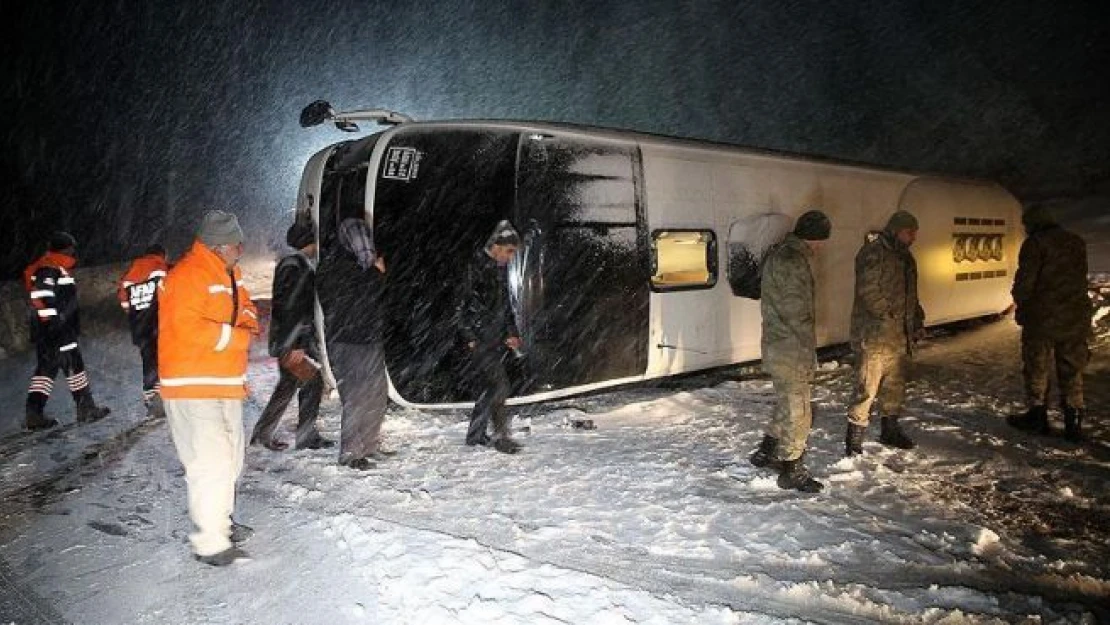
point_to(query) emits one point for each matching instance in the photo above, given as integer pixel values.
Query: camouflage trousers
(881, 373)
(1039, 354)
(793, 415)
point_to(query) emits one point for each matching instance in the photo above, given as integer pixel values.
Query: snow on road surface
(652, 517)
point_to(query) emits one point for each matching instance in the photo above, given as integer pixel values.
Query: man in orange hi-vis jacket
(205, 324)
(137, 296)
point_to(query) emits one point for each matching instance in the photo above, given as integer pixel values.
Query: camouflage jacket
(1050, 287)
(789, 333)
(886, 311)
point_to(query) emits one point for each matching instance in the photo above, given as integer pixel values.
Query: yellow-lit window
(683, 259)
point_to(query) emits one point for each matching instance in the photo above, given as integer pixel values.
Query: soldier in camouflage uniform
(789, 349)
(1054, 312)
(886, 320)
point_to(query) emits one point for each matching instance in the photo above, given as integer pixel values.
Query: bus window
(683, 259)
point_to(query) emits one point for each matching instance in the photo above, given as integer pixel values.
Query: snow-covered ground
(653, 517)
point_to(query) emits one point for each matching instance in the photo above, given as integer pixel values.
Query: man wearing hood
(55, 327)
(887, 319)
(789, 347)
(349, 283)
(489, 331)
(1054, 312)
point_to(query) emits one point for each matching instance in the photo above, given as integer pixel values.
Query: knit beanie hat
(813, 225)
(1037, 217)
(219, 228)
(61, 240)
(901, 220)
(299, 235)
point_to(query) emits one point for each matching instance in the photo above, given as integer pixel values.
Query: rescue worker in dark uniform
(1054, 312)
(789, 349)
(292, 339)
(55, 328)
(138, 289)
(887, 320)
(490, 334)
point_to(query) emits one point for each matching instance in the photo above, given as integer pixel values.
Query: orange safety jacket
(149, 269)
(205, 323)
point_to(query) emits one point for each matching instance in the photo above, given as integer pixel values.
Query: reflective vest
(205, 323)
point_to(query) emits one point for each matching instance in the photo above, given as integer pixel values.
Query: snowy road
(654, 517)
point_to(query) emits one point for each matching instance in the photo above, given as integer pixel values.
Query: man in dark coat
(887, 320)
(489, 331)
(293, 340)
(349, 281)
(1054, 312)
(789, 347)
(55, 328)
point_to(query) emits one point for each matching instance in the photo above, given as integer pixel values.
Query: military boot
(1073, 423)
(853, 440)
(795, 476)
(87, 410)
(36, 420)
(765, 455)
(1033, 420)
(891, 434)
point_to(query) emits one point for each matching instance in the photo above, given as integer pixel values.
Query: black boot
(1033, 420)
(891, 434)
(155, 409)
(853, 440)
(1073, 423)
(36, 420)
(765, 455)
(795, 476)
(87, 410)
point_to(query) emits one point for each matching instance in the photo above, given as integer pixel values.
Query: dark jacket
(1050, 286)
(350, 297)
(294, 297)
(55, 314)
(485, 311)
(787, 305)
(886, 311)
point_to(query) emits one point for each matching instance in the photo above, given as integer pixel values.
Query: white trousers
(208, 435)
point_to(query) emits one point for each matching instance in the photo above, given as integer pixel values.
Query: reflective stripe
(65, 280)
(219, 288)
(67, 347)
(38, 294)
(126, 284)
(248, 311)
(225, 337)
(210, 381)
(143, 306)
(157, 273)
(125, 305)
(48, 312)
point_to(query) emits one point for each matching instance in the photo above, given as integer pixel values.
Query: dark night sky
(125, 120)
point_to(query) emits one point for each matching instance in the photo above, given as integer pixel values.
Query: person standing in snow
(1054, 312)
(55, 328)
(489, 331)
(887, 320)
(206, 321)
(789, 347)
(137, 291)
(293, 340)
(349, 283)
